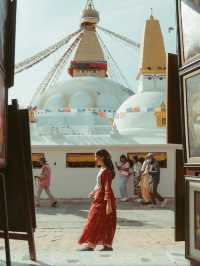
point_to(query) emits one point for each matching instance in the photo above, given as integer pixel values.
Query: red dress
(100, 227)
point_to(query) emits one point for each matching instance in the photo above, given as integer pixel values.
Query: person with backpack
(44, 181)
(154, 172)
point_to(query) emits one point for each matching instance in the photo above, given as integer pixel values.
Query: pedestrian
(145, 181)
(124, 173)
(44, 181)
(101, 222)
(136, 177)
(154, 171)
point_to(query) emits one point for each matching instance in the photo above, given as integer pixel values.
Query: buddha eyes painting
(190, 11)
(192, 114)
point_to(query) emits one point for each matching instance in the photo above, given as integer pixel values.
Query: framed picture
(189, 14)
(191, 92)
(3, 16)
(193, 218)
(7, 47)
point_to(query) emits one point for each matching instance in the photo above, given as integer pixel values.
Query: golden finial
(151, 13)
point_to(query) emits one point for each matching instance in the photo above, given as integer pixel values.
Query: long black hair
(107, 160)
(123, 156)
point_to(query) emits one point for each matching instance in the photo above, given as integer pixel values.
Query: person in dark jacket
(154, 172)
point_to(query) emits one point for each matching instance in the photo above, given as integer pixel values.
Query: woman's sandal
(105, 248)
(86, 249)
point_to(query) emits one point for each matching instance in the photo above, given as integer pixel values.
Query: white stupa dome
(86, 100)
(55, 100)
(84, 92)
(136, 116)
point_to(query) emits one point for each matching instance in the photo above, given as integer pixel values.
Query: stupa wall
(78, 182)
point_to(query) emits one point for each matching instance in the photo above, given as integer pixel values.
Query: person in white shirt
(124, 173)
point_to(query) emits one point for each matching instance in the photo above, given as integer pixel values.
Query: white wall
(78, 182)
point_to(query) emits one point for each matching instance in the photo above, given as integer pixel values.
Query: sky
(41, 23)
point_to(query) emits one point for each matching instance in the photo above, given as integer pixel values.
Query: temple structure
(91, 111)
(86, 104)
(89, 58)
(145, 112)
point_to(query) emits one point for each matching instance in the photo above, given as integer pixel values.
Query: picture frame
(3, 16)
(191, 96)
(189, 21)
(193, 218)
(7, 54)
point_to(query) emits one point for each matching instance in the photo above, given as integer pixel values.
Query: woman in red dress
(101, 223)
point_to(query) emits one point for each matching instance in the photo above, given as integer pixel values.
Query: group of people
(101, 222)
(146, 178)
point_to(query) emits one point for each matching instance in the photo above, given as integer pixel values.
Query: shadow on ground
(80, 209)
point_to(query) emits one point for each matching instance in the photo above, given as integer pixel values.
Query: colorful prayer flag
(150, 109)
(129, 110)
(136, 109)
(67, 109)
(102, 114)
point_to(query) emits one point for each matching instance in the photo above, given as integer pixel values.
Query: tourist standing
(101, 223)
(44, 183)
(124, 172)
(145, 181)
(136, 177)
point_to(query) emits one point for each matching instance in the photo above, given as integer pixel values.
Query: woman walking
(101, 223)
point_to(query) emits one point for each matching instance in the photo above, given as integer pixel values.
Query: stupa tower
(145, 119)
(152, 62)
(89, 57)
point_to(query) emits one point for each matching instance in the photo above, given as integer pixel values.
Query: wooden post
(193, 263)
(5, 215)
(31, 244)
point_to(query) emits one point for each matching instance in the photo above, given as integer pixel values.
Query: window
(36, 157)
(80, 160)
(161, 157)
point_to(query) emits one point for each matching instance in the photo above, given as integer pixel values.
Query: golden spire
(89, 49)
(90, 16)
(152, 53)
(89, 58)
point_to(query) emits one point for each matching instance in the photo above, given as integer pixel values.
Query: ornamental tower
(89, 57)
(145, 118)
(152, 62)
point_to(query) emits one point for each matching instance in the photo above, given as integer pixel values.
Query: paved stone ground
(144, 236)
